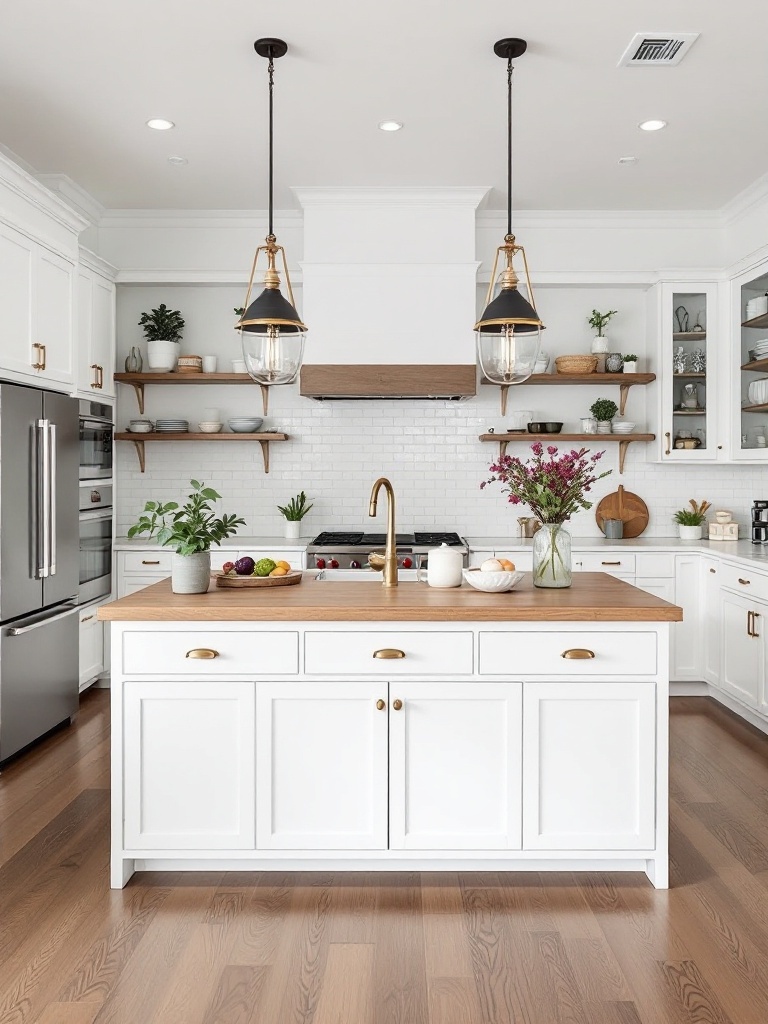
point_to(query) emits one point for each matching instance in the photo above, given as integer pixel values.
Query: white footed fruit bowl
(492, 582)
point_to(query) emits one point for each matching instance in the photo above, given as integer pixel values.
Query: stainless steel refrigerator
(39, 555)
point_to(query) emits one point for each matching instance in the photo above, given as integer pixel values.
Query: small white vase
(599, 345)
(162, 356)
(604, 427)
(292, 529)
(630, 367)
(690, 532)
(191, 574)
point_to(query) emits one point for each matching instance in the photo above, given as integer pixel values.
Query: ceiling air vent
(657, 49)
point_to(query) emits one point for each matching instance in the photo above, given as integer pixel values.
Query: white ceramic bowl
(492, 582)
(140, 428)
(623, 427)
(245, 424)
(210, 428)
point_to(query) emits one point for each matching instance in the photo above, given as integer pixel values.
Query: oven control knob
(355, 565)
(407, 563)
(333, 564)
(320, 563)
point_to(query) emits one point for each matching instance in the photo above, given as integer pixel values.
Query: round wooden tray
(290, 579)
(628, 507)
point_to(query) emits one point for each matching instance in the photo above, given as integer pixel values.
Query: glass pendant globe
(272, 355)
(507, 353)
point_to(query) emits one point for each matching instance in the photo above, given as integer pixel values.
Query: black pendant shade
(271, 307)
(509, 306)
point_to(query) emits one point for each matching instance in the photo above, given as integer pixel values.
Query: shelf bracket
(265, 451)
(503, 448)
(139, 446)
(623, 445)
(504, 392)
(623, 392)
(139, 389)
(264, 400)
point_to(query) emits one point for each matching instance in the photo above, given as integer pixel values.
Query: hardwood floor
(292, 948)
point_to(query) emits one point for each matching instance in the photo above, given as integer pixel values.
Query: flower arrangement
(552, 485)
(695, 516)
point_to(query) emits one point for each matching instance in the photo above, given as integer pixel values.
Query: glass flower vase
(552, 556)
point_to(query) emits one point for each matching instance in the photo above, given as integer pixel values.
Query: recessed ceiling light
(160, 124)
(178, 161)
(627, 159)
(652, 125)
(390, 126)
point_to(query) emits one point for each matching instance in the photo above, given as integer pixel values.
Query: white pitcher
(444, 565)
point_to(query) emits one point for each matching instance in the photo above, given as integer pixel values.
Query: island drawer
(608, 561)
(400, 653)
(147, 561)
(744, 580)
(209, 652)
(545, 654)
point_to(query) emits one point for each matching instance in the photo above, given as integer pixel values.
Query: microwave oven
(96, 435)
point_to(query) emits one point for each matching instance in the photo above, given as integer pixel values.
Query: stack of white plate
(623, 426)
(760, 348)
(758, 392)
(172, 426)
(757, 306)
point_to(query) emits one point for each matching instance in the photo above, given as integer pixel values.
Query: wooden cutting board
(628, 507)
(227, 580)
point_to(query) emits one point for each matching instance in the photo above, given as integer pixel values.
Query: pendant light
(270, 327)
(509, 330)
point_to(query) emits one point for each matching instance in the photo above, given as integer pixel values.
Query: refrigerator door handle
(21, 630)
(52, 524)
(43, 500)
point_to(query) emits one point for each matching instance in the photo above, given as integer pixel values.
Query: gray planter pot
(191, 574)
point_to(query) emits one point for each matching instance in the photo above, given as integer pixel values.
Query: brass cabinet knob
(389, 652)
(397, 705)
(713, 570)
(577, 654)
(202, 653)
(380, 705)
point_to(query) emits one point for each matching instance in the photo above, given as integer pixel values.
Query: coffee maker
(759, 522)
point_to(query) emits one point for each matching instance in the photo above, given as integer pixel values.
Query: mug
(614, 528)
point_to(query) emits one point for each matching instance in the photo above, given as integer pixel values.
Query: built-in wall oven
(95, 541)
(96, 427)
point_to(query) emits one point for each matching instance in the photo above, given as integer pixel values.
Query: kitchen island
(347, 726)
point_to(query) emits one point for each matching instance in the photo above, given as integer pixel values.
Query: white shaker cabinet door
(687, 662)
(742, 652)
(17, 263)
(589, 766)
(455, 762)
(53, 296)
(189, 765)
(321, 769)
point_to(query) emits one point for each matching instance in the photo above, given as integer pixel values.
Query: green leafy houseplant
(188, 528)
(296, 508)
(162, 324)
(695, 516)
(604, 409)
(631, 358)
(599, 320)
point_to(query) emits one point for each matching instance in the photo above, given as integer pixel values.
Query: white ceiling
(79, 79)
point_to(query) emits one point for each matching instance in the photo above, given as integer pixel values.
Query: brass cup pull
(380, 705)
(744, 583)
(397, 705)
(577, 654)
(148, 561)
(389, 652)
(202, 654)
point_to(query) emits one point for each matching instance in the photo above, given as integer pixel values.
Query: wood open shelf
(593, 380)
(754, 408)
(756, 366)
(757, 321)
(140, 439)
(623, 440)
(689, 412)
(139, 380)
(689, 375)
(688, 335)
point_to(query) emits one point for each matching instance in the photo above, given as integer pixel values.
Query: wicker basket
(576, 364)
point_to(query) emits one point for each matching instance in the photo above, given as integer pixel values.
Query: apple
(320, 563)
(228, 567)
(407, 563)
(333, 564)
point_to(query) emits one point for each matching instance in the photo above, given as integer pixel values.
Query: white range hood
(389, 283)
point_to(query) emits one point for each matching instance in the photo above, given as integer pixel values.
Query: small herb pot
(191, 574)
(690, 532)
(292, 529)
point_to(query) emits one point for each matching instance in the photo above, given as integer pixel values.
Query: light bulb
(507, 355)
(272, 355)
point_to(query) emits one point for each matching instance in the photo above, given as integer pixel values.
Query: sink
(359, 575)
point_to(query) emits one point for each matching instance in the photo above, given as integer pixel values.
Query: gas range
(350, 549)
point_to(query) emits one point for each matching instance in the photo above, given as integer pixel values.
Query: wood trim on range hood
(381, 380)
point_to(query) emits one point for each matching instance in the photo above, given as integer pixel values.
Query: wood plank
(593, 597)
(399, 969)
(189, 435)
(378, 380)
(237, 996)
(347, 993)
(445, 938)
(183, 378)
(69, 1013)
(594, 380)
(453, 1001)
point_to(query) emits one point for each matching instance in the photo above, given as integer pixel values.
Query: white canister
(444, 565)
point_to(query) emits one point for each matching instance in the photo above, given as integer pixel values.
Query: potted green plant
(690, 521)
(598, 322)
(190, 529)
(630, 363)
(604, 410)
(293, 513)
(163, 328)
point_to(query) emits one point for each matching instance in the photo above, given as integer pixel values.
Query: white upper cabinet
(17, 259)
(95, 328)
(690, 339)
(53, 313)
(748, 406)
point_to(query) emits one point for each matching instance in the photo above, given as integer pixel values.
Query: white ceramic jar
(444, 566)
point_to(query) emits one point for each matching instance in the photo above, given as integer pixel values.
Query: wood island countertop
(593, 597)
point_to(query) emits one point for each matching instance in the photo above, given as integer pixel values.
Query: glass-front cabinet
(689, 343)
(750, 370)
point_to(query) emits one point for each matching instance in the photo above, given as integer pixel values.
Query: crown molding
(73, 195)
(141, 275)
(381, 195)
(614, 220)
(27, 187)
(181, 219)
(753, 195)
(96, 263)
